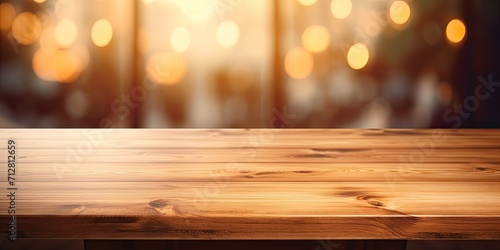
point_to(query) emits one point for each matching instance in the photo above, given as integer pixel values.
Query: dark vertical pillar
(136, 113)
(277, 80)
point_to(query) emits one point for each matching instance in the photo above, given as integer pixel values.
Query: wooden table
(254, 184)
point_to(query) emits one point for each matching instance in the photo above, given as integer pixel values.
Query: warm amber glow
(400, 12)
(228, 34)
(316, 38)
(7, 15)
(180, 40)
(455, 31)
(166, 68)
(62, 66)
(358, 56)
(39, 1)
(147, 2)
(299, 63)
(65, 66)
(47, 41)
(341, 9)
(83, 55)
(41, 65)
(26, 28)
(198, 9)
(445, 93)
(65, 33)
(307, 2)
(102, 33)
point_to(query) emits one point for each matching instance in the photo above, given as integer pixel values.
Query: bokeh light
(147, 2)
(357, 56)
(341, 9)
(7, 15)
(62, 66)
(39, 1)
(197, 10)
(166, 68)
(316, 38)
(65, 33)
(180, 40)
(299, 63)
(26, 28)
(455, 31)
(102, 33)
(228, 34)
(41, 65)
(400, 12)
(307, 2)
(66, 66)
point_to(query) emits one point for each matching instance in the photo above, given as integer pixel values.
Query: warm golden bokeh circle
(455, 31)
(307, 2)
(299, 63)
(7, 15)
(26, 28)
(102, 33)
(341, 9)
(166, 68)
(358, 56)
(400, 12)
(316, 38)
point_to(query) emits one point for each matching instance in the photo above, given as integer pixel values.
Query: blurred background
(250, 63)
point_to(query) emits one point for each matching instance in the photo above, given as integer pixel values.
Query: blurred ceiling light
(228, 34)
(307, 2)
(180, 40)
(299, 63)
(357, 56)
(455, 31)
(316, 38)
(7, 15)
(400, 12)
(341, 9)
(26, 28)
(166, 68)
(102, 33)
(65, 33)
(39, 1)
(197, 9)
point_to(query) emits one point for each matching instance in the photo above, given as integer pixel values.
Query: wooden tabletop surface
(253, 184)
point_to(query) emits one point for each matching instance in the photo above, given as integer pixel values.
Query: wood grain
(255, 184)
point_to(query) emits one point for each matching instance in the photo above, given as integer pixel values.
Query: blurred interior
(245, 63)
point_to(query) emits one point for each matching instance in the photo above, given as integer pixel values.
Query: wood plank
(236, 184)
(253, 138)
(263, 199)
(258, 172)
(252, 155)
